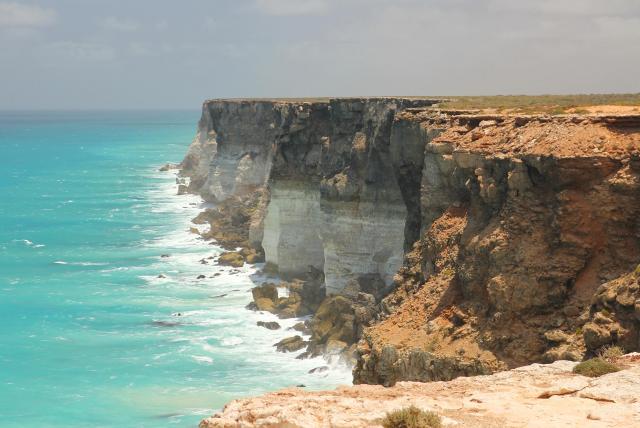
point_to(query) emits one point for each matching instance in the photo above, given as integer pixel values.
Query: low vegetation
(411, 417)
(595, 367)
(611, 353)
(550, 104)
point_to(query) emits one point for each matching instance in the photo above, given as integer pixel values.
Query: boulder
(270, 325)
(264, 304)
(301, 327)
(266, 290)
(252, 256)
(290, 344)
(231, 258)
(167, 167)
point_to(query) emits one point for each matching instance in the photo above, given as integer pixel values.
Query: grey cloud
(14, 14)
(120, 24)
(293, 7)
(168, 54)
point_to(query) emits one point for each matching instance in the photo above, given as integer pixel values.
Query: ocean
(103, 321)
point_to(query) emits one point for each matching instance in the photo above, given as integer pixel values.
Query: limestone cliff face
(332, 182)
(489, 235)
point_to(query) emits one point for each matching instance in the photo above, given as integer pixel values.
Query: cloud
(120, 24)
(210, 23)
(575, 8)
(20, 15)
(292, 7)
(82, 51)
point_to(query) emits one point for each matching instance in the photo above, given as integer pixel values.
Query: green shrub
(595, 367)
(411, 417)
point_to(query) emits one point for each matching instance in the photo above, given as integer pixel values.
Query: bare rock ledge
(537, 395)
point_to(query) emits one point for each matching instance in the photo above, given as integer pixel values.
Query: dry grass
(411, 417)
(611, 353)
(550, 104)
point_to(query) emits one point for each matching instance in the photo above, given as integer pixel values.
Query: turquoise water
(89, 335)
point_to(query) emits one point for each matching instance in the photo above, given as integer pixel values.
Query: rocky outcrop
(614, 318)
(482, 239)
(523, 218)
(532, 396)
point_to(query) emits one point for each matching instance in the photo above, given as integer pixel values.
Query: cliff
(532, 396)
(460, 242)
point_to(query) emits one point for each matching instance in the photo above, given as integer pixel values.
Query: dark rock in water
(210, 258)
(252, 306)
(201, 276)
(204, 262)
(290, 344)
(301, 327)
(217, 274)
(320, 369)
(168, 167)
(271, 325)
(164, 256)
(161, 276)
(301, 386)
(219, 296)
(165, 323)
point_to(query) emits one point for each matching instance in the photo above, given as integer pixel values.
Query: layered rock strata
(523, 219)
(326, 175)
(487, 237)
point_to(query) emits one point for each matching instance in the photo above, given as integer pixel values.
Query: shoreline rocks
(269, 325)
(290, 344)
(231, 258)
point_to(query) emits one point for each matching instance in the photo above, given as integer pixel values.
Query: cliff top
(324, 100)
(613, 104)
(609, 131)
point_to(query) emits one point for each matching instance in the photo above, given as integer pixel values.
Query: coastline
(257, 344)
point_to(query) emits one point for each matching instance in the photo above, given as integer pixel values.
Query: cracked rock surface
(538, 395)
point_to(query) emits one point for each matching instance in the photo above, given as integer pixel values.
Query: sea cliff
(444, 242)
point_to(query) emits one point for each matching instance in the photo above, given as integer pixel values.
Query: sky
(166, 54)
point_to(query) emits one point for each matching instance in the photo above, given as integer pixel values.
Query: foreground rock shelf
(535, 396)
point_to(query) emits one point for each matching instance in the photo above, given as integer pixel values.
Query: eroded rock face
(483, 239)
(614, 318)
(537, 396)
(326, 175)
(522, 220)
